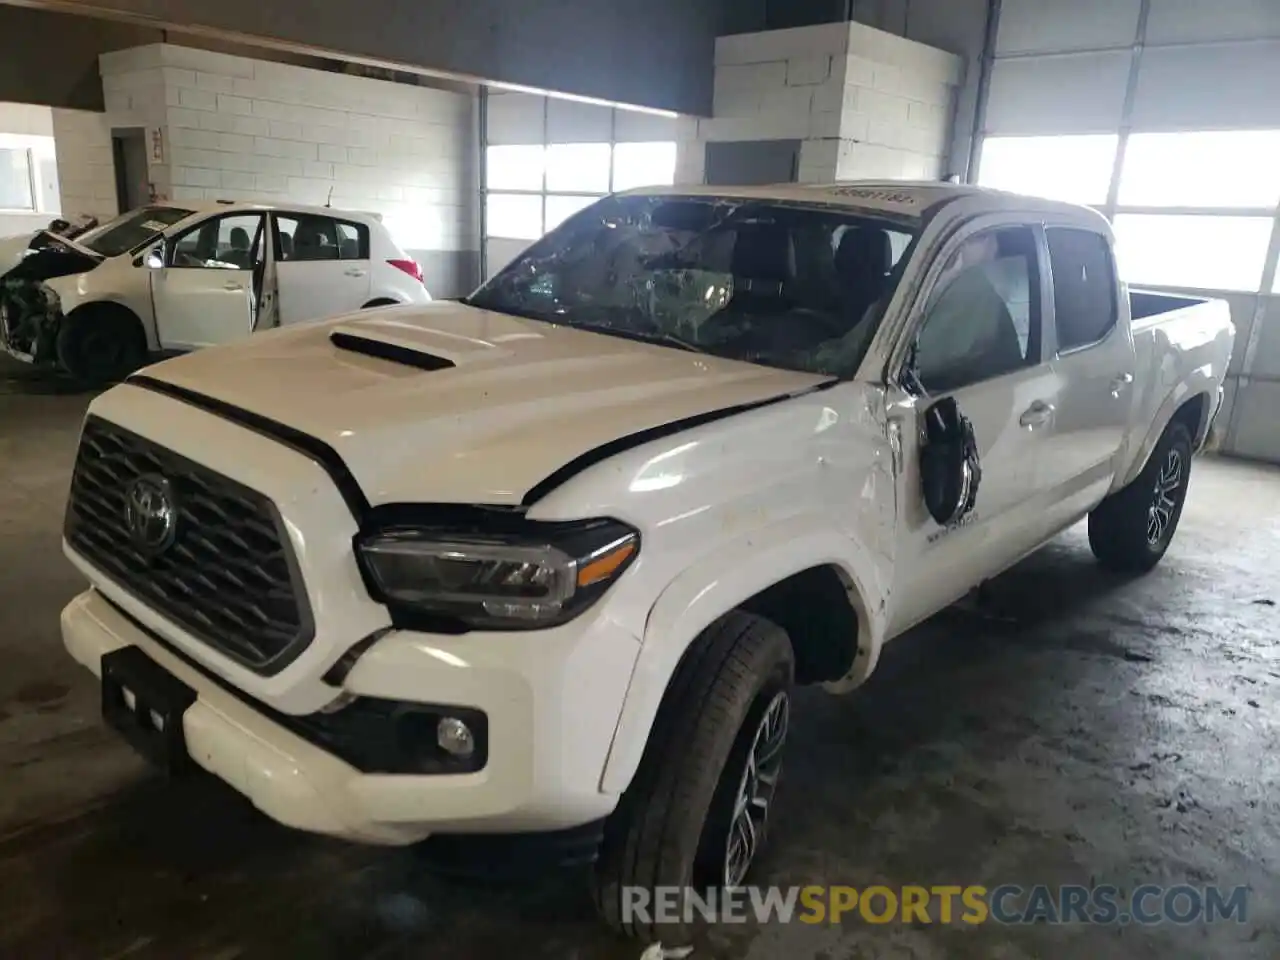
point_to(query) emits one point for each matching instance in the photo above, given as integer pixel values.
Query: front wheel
(1131, 530)
(696, 814)
(101, 344)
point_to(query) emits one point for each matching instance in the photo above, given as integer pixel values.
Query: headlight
(524, 575)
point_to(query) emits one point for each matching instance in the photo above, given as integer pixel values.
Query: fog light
(455, 737)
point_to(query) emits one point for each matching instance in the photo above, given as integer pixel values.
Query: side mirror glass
(949, 468)
(154, 258)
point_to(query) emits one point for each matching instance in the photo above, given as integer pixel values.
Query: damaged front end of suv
(31, 311)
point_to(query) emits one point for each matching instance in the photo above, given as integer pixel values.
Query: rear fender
(723, 581)
(1200, 380)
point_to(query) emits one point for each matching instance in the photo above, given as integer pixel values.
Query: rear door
(1093, 358)
(208, 291)
(322, 266)
(979, 339)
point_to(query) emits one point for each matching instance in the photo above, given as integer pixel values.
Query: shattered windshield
(131, 230)
(783, 285)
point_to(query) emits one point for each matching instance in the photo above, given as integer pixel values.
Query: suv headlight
(526, 576)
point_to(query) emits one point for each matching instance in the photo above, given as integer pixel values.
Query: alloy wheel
(754, 798)
(1164, 498)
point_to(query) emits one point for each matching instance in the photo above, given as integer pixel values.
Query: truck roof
(911, 198)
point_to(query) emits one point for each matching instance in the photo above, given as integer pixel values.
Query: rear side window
(306, 236)
(1084, 287)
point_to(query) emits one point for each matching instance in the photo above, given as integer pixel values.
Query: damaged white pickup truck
(549, 561)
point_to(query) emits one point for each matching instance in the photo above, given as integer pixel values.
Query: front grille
(226, 574)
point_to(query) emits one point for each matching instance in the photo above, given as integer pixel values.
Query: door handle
(1120, 382)
(1036, 415)
(354, 272)
(233, 286)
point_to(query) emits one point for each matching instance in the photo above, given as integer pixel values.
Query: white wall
(864, 103)
(27, 127)
(238, 128)
(86, 169)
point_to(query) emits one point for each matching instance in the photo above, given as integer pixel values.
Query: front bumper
(549, 733)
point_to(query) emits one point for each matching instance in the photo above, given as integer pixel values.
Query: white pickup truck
(550, 560)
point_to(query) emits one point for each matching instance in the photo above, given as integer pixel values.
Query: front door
(979, 340)
(209, 290)
(322, 266)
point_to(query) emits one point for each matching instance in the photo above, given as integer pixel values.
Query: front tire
(1131, 530)
(696, 813)
(101, 343)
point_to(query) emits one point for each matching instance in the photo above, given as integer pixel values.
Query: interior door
(1094, 360)
(980, 340)
(322, 266)
(209, 290)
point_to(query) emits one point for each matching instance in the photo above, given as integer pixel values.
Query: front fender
(718, 583)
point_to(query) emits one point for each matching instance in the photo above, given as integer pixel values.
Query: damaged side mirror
(949, 468)
(153, 259)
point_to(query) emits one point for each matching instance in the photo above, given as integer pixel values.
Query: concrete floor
(1082, 728)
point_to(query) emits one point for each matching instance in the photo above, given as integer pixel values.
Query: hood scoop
(394, 352)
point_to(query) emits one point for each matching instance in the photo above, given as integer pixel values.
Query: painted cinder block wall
(238, 128)
(863, 102)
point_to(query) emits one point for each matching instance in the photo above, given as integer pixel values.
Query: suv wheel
(1131, 530)
(697, 812)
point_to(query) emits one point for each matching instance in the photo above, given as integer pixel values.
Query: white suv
(170, 278)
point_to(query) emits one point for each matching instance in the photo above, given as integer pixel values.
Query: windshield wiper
(656, 336)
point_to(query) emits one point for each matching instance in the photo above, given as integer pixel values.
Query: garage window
(1074, 169)
(17, 190)
(1228, 168)
(644, 165)
(515, 167)
(1192, 251)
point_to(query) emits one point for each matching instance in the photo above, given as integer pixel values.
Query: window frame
(171, 243)
(901, 356)
(1051, 328)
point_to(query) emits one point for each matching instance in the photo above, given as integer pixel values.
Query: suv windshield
(131, 230)
(783, 285)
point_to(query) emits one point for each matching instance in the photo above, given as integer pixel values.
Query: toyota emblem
(151, 514)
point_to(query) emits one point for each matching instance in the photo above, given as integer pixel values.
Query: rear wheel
(1131, 530)
(101, 343)
(697, 813)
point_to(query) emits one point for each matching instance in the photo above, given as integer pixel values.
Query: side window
(353, 241)
(982, 319)
(231, 242)
(304, 236)
(1084, 287)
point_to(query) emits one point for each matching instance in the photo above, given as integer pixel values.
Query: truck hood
(452, 404)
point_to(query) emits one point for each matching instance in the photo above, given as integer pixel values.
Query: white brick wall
(238, 128)
(86, 169)
(864, 103)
